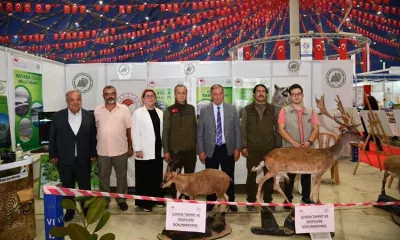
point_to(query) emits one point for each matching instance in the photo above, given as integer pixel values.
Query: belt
(222, 145)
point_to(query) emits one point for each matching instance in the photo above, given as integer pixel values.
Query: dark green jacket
(179, 128)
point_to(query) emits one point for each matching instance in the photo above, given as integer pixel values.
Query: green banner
(165, 97)
(203, 97)
(28, 104)
(241, 98)
(5, 136)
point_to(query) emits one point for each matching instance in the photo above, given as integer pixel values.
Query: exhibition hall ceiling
(161, 30)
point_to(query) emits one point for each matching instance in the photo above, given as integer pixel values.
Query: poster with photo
(203, 94)
(28, 104)
(164, 89)
(243, 91)
(5, 134)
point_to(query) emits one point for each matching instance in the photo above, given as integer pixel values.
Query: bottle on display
(19, 153)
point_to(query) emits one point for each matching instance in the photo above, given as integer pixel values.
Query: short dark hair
(179, 86)
(148, 90)
(260, 85)
(109, 87)
(216, 86)
(294, 86)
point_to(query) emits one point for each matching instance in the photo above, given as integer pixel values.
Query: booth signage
(310, 219)
(186, 217)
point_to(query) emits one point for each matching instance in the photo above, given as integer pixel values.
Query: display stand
(17, 215)
(375, 131)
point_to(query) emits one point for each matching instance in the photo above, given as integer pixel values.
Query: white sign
(240, 54)
(311, 219)
(306, 48)
(186, 217)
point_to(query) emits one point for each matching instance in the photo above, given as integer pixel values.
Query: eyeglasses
(150, 96)
(296, 94)
(110, 94)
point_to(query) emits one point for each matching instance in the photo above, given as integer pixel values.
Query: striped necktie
(219, 128)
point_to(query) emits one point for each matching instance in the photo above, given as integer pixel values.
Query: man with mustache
(72, 145)
(114, 143)
(259, 137)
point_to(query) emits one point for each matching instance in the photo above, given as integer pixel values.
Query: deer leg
(385, 175)
(262, 181)
(317, 184)
(278, 188)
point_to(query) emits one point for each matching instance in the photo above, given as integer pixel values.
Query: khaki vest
(182, 129)
(260, 133)
(292, 126)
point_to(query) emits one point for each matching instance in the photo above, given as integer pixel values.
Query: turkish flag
(82, 9)
(27, 7)
(364, 57)
(18, 7)
(39, 8)
(47, 7)
(121, 9)
(67, 9)
(106, 8)
(129, 9)
(247, 53)
(56, 36)
(318, 49)
(280, 50)
(343, 49)
(74, 9)
(9, 7)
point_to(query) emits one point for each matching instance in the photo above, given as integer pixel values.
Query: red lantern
(176, 7)
(194, 6)
(47, 8)
(106, 8)
(121, 9)
(94, 33)
(74, 35)
(129, 9)
(74, 9)
(67, 9)
(27, 7)
(169, 7)
(82, 9)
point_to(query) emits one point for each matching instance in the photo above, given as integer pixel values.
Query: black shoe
(233, 208)
(210, 207)
(250, 208)
(123, 206)
(307, 201)
(69, 215)
(287, 208)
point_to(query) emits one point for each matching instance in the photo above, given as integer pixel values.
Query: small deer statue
(392, 168)
(205, 182)
(308, 160)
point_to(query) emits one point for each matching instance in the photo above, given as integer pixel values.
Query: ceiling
(151, 30)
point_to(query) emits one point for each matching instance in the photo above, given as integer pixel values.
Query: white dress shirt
(221, 110)
(75, 121)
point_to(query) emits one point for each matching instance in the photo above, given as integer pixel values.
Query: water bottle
(19, 153)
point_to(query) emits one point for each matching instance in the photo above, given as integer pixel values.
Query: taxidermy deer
(308, 160)
(205, 182)
(280, 97)
(392, 168)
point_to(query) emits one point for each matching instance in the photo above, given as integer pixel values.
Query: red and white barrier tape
(54, 190)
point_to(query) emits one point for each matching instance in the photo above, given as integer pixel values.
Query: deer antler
(346, 118)
(322, 108)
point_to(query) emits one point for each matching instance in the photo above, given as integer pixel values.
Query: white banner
(85, 78)
(240, 54)
(337, 78)
(26, 64)
(306, 48)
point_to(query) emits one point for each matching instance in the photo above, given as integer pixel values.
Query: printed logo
(2, 88)
(293, 66)
(202, 82)
(240, 53)
(151, 84)
(189, 69)
(228, 82)
(82, 82)
(38, 66)
(306, 46)
(336, 78)
(15, 61)
(130, 100)
(124, 69)
(264, 82)
(238, 82)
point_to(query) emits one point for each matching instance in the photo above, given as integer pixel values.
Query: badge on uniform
(175, 111)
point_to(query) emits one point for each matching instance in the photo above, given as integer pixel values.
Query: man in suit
(72, 144)
(218, 139)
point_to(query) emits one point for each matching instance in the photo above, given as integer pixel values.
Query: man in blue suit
(219, 139)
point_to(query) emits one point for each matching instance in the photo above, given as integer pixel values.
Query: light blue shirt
(221, 110)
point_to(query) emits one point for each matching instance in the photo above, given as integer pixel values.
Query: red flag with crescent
(246, 53)
(343, 49)
(318, 49)
(280, 50)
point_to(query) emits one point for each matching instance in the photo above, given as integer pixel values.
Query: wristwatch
(311, 142)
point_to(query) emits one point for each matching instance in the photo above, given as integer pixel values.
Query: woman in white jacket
(146, 137)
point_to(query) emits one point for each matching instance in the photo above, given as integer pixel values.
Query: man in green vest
(299, 127)
(179, 133)
(259, 137)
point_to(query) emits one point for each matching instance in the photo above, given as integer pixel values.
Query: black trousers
(305, 186)
(77, 172)
(227, 162)
(148, 178)
(187, 160)
(254, 159)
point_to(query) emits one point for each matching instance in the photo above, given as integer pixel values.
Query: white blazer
(143, 138)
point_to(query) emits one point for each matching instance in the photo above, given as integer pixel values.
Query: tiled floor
(350, 223)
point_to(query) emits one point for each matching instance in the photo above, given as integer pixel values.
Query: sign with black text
(311, 219)
(186, 217)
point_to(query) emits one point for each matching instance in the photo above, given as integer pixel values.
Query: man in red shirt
(299, 127)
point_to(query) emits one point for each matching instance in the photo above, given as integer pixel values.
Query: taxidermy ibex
(392, 168)
(308, 160)
(205, 182)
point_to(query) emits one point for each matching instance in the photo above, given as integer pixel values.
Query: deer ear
(276, 87)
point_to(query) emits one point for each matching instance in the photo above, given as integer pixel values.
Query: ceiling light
(112, 20)
(194, 26)
(127, 23)
(202, 35)
(16, 36)
(101, 2)
(101, 15)
(133, 37)
(48, 28)
(374, 42)
(209, 53)
(27, 21)
(185, 44)
(379, 12)
(304, 15)
(147, 18)
(112, 43)
(141, 48)
(381, 60)
(169, 50)
(77, 24)
(342, 9)
(347, 19)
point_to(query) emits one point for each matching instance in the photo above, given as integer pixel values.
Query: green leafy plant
(96, 213)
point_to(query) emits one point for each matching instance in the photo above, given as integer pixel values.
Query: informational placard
(203, 94)
(164, 89)
(315, 219)
(5, 135)
(186, 217)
